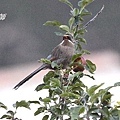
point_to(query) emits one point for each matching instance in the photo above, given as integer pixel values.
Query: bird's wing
(56, 53)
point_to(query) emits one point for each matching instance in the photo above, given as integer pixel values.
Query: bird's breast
(67, 51)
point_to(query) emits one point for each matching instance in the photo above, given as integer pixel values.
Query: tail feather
(30, 76)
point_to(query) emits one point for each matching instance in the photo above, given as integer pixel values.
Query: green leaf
(82, 40)
(90, 66)
(85, 12)
(3, 106)
(22, 103)
(78, 85)
(106, 97)
(94, 96)
(93, 88)
(6, 116)
(43, 60)
(55, 82)
(39, 110)
(75, 12)
(71, 21)
(70, 95)
(105, 112)
(53, 117)
(118, 103)
(54, 65)
(46, 100)
(80, 3)
(56, 110)
(74, 112)
(64, 28)
(74, 57)
(40, 87)
(78, 47)
(45, 117)
(84, 52)
(47, 87)
(117, 84)
(115, 114)
(67, 2)
(81, 31)
(52, 23)
(48, 76)
(108, 88)
(59, 33)
(89, 76)
(11, 112)
(82, 109)
(83, 3)
(34, 102)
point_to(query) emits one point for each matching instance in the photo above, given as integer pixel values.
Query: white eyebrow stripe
(68, 40)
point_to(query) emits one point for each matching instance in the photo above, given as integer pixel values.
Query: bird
(61, 55)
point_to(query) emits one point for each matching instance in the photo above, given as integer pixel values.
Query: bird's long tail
(44, 66)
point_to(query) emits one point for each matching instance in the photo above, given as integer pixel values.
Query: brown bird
(61, 54)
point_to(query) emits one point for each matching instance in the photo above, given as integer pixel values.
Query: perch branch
(86, 25)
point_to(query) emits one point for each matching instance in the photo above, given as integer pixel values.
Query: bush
(69, 98)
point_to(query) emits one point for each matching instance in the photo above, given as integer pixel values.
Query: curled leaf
(91, 67)
(3, 106)
(6, 116)
(64, 28)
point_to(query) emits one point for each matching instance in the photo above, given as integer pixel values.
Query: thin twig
(86, 25)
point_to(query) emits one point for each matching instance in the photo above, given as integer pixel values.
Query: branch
(86, 25)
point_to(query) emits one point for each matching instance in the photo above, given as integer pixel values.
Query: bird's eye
(66, 37)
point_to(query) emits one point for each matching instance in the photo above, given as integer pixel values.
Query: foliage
(10, 114)
(69, 98)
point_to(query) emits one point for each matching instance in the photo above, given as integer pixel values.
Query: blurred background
(24, 40)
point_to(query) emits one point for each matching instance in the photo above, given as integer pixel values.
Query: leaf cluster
(11, 114)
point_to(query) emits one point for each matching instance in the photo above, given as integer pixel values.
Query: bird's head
(67, 40)
(67, 37)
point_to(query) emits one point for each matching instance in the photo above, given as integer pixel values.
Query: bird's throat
(67, 42)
